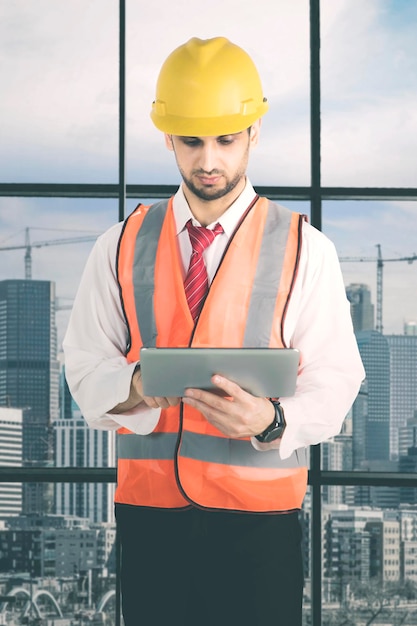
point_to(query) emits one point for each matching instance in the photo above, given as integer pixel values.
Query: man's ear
(168, 141)
(255, 132)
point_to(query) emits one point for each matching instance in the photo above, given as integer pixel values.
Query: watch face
(275, 430)
(273, 434)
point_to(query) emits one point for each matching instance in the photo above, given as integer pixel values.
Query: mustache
(201, 172)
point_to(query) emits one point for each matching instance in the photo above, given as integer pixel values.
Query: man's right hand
(136, 397)
(152, 402)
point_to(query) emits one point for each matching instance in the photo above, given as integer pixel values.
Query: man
(211, 536)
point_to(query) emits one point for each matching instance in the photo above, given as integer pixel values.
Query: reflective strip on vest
(267, 279)
(153, 446)
(145, 255)
(202, 448)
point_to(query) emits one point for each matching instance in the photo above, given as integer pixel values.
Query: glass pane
(49, 239)
(369, 93)
(44, 246)
(275, 34)
(369, 565)
(58, 568)
(60, 108)
(379, 433)
(357, 229)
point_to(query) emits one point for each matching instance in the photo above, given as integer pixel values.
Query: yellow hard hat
(207, 87)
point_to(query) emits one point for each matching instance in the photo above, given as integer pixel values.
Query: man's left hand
(236, 413)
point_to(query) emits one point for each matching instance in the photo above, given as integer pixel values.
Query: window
(338, 144)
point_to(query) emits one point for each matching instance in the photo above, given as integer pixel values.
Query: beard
(208, 194)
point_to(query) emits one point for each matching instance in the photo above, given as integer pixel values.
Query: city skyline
(74, 218)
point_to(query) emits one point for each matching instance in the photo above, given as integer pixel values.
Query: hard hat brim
(206, 127)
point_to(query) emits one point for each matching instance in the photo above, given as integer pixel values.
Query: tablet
(265, 372)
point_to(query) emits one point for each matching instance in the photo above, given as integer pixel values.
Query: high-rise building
(359, 417)
(29, 373)
(410, 328)
(385, 548)
(77, 445)
(407, 435)
(403, 364)
(336, 455)
(373, 415)
(347, 545)
(56, 546)
(361, 307)
(10, 456)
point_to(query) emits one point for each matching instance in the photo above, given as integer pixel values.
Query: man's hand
(136, 397)
(152, 402)
(235, 413)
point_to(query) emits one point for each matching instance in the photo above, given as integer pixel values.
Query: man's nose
(208, 158)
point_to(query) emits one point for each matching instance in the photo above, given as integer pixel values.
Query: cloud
(60, 107)
(61, 104)
(371, 143)
(356, 228)
(59, 63)
(369, 95)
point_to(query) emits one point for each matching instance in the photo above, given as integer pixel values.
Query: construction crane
(379, 277)
(28, 245)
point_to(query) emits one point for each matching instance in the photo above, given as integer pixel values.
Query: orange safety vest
(185, 460)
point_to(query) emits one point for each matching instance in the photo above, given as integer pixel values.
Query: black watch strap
(276, 428)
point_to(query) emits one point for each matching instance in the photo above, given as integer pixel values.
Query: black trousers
(206, 568)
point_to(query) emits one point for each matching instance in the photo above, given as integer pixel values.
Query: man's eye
(190, 141)
(225, 141)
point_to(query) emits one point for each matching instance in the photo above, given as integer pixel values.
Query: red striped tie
(196, 281)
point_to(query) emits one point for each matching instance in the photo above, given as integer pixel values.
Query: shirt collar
(228, 220)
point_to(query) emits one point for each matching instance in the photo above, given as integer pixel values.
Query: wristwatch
(274, 430)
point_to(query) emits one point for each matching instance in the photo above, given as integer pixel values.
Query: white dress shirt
(317, 322)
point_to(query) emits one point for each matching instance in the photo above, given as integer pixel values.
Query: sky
(59, 120)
